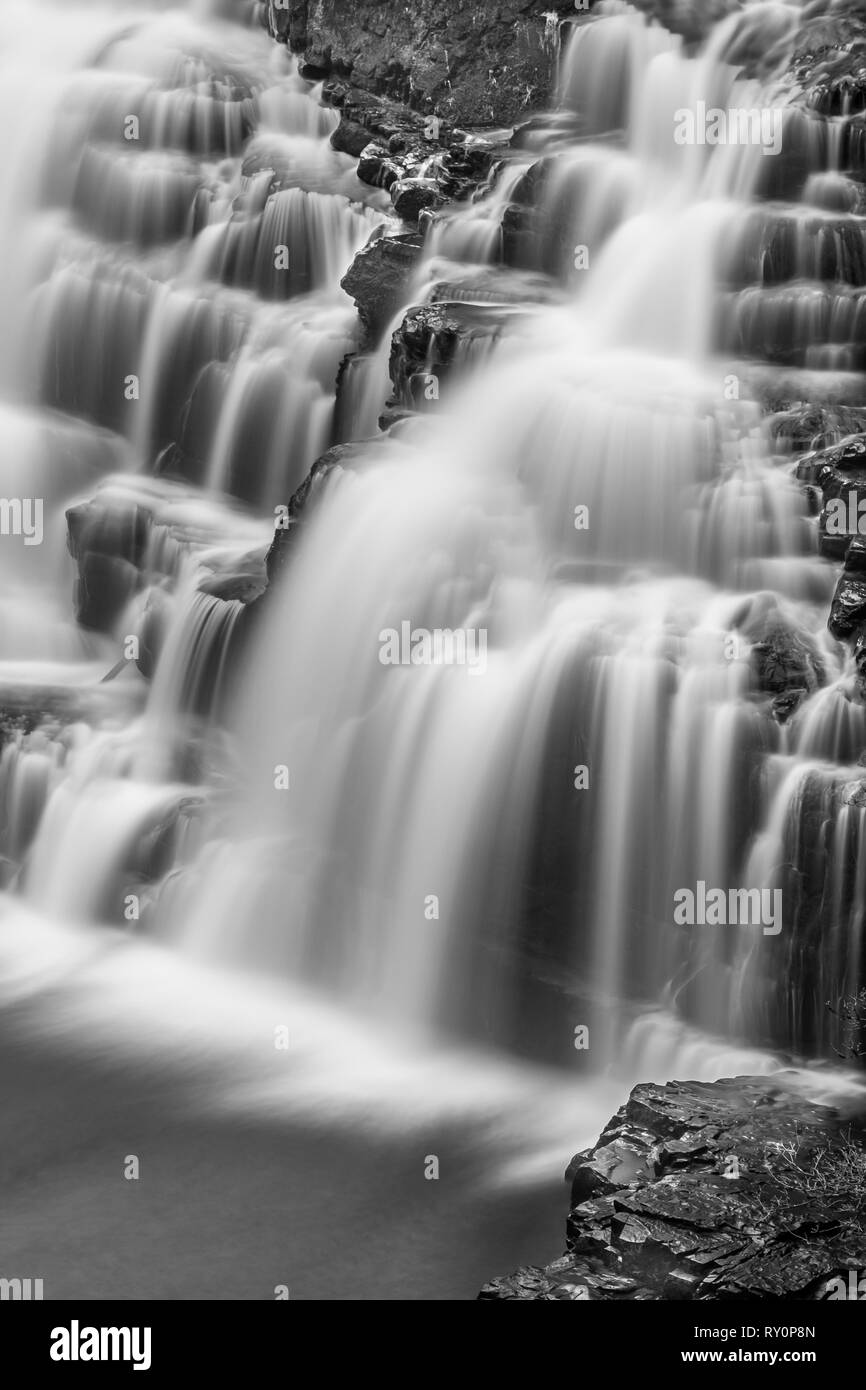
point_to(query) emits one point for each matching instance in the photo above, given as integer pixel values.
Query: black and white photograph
(432, 667)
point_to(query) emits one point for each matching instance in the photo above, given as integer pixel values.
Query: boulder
(809, 426)
(840, 474)
(478, 65)
(108, 546)
(848, 609)
(829, 65)
(378, 278)
(432, 340)
(350, 138)
(412, 196)
(738, 1189)
(785, 661)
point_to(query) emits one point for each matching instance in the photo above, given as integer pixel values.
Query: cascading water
(476, 857)
(622, 631)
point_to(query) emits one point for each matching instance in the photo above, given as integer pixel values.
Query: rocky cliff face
(475, 63)
(738, 1189)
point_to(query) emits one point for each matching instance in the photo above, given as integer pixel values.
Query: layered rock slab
(735, 1189)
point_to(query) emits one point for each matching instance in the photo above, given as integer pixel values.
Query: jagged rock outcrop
(459, 323)
(379, 277)
(477, 64)
(422, 161)
(109, 538)
(829, 66)
(367, 119)
(785, 661)
(736, 1189)
(838, 474)
(807, 426)
(435, 339)
(341, 456)
(848, 610)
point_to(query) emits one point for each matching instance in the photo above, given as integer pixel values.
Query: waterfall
(541, 659)
(450, 792)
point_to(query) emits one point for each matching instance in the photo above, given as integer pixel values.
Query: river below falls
(259, 1168)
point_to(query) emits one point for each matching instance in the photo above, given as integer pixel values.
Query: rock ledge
(736, 1189)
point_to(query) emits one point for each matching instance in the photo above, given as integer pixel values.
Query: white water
(609, 647)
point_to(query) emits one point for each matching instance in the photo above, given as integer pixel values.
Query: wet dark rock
(412, 196)
(316, 63)
(350, 138)
(432, 341)
(340, 457)
(847, 457)
(829, 66)
(108, 545)
(478, 65)
(109, 538)
(377, 168)
(391, 123)
(807, 426)
(526, 1283)
(848, 609)
(423, 161)
(708, 1190)
(855, 560)
(461, 319)
(379, 276)
(840, 474)
(286, 22)
(785, 661)
(610, 1167)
